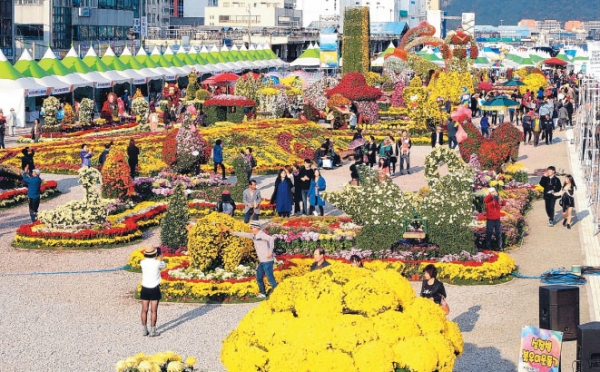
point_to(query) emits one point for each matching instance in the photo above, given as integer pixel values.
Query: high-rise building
(65, 23)
(7, 30)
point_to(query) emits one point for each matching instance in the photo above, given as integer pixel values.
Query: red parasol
(555, 62)
(225, 78)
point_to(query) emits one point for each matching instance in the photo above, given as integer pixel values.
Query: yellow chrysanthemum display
(344, 319)
(164, 360)
(206, 242)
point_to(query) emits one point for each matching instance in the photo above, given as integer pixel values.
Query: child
(150, 294)
(383, 166)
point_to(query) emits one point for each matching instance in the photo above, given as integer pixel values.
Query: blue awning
(329, 30)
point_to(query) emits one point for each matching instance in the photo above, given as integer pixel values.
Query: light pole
(249, 22)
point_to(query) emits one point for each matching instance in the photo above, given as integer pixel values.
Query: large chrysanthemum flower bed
(344, 319)
(183, 283)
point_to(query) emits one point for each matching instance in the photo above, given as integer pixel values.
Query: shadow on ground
(184, 318)
(479, 359)
(466, 321)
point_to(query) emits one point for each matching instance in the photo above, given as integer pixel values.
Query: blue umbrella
(499, 104)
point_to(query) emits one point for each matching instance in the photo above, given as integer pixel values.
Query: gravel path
(77, 322)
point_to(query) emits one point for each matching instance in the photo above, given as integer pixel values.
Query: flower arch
(443, 155)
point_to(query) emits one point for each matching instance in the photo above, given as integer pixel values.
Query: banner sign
(540, 350)
(593, 66)
(329, 50)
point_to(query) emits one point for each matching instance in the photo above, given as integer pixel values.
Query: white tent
(96, 64)
(193, 53)
(165, 64)
(309, 58)
(15, 87)
(142, 57)
(169, 52)
(127, 58)
(112, 61)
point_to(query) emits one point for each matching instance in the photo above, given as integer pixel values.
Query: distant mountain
(512, 11)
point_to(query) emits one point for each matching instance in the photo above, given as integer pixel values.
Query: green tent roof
(52, 65)
(269, 52)
(226, 53)
(246, 56)
(158, 58)
(253, 52)
(217, 55)
(144, 59)
(130, 60)
(7, 70)
(482, 61)
(562, 56)
(74, 63)
(186, 57)
(311, 52)
(28, 67)
(94, 62)
(112, 61)
(173, 59)
(389, 50)
(209, 58)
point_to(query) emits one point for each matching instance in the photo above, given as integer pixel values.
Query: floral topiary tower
(192, 88)
(342, 319)
(192, 149)
(173, 227)
(51, 106)
(140, 108)
(89, 211)
(116, 176)
(69, 117)
(356, 42)
(86, 110)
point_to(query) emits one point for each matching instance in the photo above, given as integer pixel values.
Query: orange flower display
(116, 178)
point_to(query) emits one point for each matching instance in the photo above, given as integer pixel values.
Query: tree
(116, 176)
(173, 231)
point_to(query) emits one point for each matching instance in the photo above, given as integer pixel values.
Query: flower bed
(62, 156)
(162, 185)
(203, 208)
(10, 198)
(182, 284)
(74, 130)
(121, 229)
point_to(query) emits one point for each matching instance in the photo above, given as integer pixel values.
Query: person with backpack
(527, 122)
(226, 204)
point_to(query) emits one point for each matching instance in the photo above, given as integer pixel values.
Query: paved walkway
(88, 322)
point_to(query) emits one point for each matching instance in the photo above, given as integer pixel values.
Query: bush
(344, 319)
(210, 248)
(311, 113)
(239, 168)
(237, 116)
(173, 231)
(506, 133)
(378, 237)
(116, 176)
(202, 95)
(215, 113)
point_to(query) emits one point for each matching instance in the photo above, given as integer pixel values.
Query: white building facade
(253, 13)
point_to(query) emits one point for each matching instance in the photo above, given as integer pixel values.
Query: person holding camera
(150, 294)
(551, 185)
(493, 203)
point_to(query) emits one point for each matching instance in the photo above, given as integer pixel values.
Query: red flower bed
(9, 194)
(105, 128)
(230, 101)
(284, 140)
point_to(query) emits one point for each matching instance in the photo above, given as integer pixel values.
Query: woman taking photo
(567, 201)
(317, 186)
(282, 195)
(432, 288)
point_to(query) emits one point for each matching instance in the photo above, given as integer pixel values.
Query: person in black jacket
(551, 185)
(437, 137)
(431, 287)
(371, 151)
(133, 153)
(297, 189)
(282, 194)
(27, 158)
(306, 175)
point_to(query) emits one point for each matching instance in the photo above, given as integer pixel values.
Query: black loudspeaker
(559, 310)
(588, 347)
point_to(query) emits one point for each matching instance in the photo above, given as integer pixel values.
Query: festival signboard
(540, 350)
(593, 66)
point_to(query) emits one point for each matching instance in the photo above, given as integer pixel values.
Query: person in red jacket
(492, 208)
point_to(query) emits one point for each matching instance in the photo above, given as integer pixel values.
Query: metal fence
(587, 140)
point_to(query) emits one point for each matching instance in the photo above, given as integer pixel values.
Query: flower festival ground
(91, 321)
